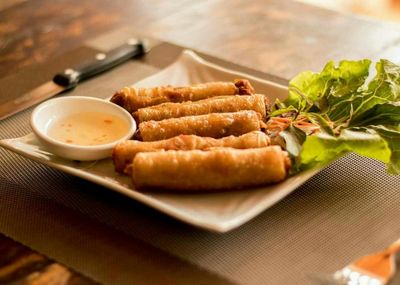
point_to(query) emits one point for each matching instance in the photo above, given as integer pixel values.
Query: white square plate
(218, 212)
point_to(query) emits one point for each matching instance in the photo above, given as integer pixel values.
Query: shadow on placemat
(103, 253)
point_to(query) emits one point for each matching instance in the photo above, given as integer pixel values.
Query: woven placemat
(349, 209)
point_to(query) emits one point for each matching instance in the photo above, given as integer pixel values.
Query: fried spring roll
(216, 125)
(222, 104)
(124, 153)
(133, 98)
(218, 169)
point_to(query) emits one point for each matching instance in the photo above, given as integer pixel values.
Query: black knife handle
(102, 62)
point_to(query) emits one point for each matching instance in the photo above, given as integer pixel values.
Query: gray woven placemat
(349, 209)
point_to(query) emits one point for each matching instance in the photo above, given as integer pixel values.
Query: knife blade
(71, 77)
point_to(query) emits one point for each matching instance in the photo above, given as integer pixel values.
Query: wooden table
(278, 37)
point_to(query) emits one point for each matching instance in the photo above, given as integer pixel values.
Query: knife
(71, 77)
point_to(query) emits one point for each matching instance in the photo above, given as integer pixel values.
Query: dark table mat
(349, 209)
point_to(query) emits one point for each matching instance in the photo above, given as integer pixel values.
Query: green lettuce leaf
(354, 114)
(323, 148)
(294, 139)
(392, 137)
(384, 113)
(341, 92)
(383, 88)
(311, 91)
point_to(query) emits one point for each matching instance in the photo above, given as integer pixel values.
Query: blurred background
(388, 10)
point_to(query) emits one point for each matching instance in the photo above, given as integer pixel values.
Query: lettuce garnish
(354, 113)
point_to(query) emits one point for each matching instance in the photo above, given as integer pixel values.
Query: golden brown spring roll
(222, 104)
(215, 125)
(133, 98)
(217, 169)
(124, 152)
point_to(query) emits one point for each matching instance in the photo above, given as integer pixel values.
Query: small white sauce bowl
(53, 110)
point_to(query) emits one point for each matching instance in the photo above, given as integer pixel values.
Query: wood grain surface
(21, 265)
(277, 37)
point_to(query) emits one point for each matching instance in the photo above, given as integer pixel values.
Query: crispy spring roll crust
(125, 152)
(216, 125)
(222, 104)
(217, 169)
(133, 98)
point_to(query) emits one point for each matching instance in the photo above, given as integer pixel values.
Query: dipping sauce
(89, 128)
